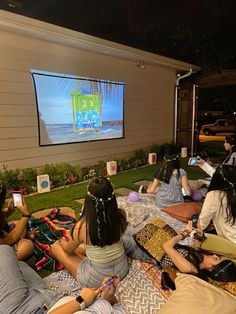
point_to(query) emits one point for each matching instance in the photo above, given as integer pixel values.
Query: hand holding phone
(17, 198)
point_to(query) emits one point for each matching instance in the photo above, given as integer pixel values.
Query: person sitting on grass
(220, 203)
(100, 230)
(168, 182)
(15, 234)
(198, 262)
(24, 291)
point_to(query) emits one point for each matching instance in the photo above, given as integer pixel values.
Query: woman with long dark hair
(100, 230)
(230, 147)
(196, 261)
(168, 182)
(220, 203)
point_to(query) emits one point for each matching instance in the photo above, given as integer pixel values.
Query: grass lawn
(67, 196)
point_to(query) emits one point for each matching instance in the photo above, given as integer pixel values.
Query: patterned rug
(139, 292)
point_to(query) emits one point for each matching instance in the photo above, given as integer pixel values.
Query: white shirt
(232, 160)
(100, 306)
(214, 208)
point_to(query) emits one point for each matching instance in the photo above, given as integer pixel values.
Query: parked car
(220, 126)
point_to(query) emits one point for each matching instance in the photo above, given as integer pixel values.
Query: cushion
(219, 245)
(228, 286)
(183, 211)
(193, 295)
(154, 234)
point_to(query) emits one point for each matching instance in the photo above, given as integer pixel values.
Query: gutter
(179, 77)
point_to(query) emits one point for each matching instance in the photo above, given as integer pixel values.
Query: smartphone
(193, 161)
(17, 198)
(109, 282)
(194, 219)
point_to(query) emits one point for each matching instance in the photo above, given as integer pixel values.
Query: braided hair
(166, 168)
(105, 222)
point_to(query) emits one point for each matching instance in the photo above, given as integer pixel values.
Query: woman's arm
(180, 262)
(209, 209)
(153, 186)
(15, 235)
(88, 295)
(185, 185)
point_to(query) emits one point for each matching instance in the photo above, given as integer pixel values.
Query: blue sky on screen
(54, 100)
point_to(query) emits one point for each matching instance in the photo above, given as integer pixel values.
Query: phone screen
(193, 161)
(17, 198)
(194, 221)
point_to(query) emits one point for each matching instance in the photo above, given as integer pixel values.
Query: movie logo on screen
(87, 112)
(73, 109)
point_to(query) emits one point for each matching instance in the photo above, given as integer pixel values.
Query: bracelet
(27, 216)
(81, 302)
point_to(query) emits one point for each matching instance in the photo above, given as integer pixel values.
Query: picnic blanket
(52, 228)
(139, 292)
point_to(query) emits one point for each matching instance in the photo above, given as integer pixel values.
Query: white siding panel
(149, 99)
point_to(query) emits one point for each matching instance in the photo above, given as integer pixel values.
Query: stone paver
(142, 182)
(80, 201)
(64, 210)
(122, 191)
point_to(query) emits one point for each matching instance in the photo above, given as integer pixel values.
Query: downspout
(179, 77)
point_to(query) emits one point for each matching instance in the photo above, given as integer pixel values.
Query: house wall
(28, 44)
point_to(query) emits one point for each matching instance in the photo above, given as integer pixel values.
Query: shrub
(54, 174)
(28, 179)
(67, 173)
(102, 168)
(10, 178)
(142, 155)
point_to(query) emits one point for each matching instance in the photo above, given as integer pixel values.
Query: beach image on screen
(75, 109)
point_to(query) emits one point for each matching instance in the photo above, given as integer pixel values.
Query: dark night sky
(202, 32)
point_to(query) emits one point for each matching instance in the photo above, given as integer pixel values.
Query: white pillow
(195, 296)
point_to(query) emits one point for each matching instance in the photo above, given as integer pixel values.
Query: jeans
(22, 289)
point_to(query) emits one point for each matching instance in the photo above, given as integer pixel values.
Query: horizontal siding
(149, 102)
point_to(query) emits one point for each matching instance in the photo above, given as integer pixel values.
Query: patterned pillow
(154, 234)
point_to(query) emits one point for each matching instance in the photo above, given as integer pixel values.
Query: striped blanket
(53, 227)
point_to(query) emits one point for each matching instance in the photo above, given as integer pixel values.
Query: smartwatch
(81, 302)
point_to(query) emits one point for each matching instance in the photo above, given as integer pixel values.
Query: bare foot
(55, 249)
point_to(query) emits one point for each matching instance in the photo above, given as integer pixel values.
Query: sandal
(33, 234)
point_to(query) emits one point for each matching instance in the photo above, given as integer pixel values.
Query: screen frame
(54, 74)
